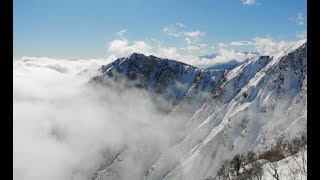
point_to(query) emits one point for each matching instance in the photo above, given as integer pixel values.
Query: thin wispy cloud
(180, 24)
(249, 2)
(203, 45)
(194, 34)
(121, 33)
(241, 43)
(188, 40)
(222, 45)
(171, 30)
(178, 30)
(193, 48)
(300, 19)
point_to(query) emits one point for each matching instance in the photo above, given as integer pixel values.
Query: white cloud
(121, 48)
(180, 24)
(188, 41)
(63, 65)
(58, 67)
(172, 31)
(46, 131)
(222, 45)
(203, 45)
(241, 43)
(118, 48)
(301, 34)
(249, 2)
(121, 33)
(189, 54)
(268, 46)
(300, 19)
(168, 52)
(194, 34)
(176, 31)
(65, 130)
(265, 45)
(192, 48)
(226, 55)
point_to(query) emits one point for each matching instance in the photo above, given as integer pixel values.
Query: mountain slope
(230, 111)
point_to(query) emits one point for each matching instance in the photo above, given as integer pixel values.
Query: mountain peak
(136, 55)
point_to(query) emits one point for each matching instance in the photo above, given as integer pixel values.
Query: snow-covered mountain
(174, 80)
(229, 111)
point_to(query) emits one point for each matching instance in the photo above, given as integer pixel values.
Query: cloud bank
(64, 129)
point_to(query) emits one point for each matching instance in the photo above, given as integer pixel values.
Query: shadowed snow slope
(228, 111)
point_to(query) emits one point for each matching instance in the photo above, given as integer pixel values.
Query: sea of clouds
(64, 128)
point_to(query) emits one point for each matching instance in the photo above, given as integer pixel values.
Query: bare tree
(273, 155)
(231, 169)
(296, 149)
(248, 166)
(236, 163)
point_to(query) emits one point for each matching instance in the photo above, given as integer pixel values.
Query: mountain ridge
(230, 111)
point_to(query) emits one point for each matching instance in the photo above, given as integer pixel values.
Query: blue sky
(85, 28)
